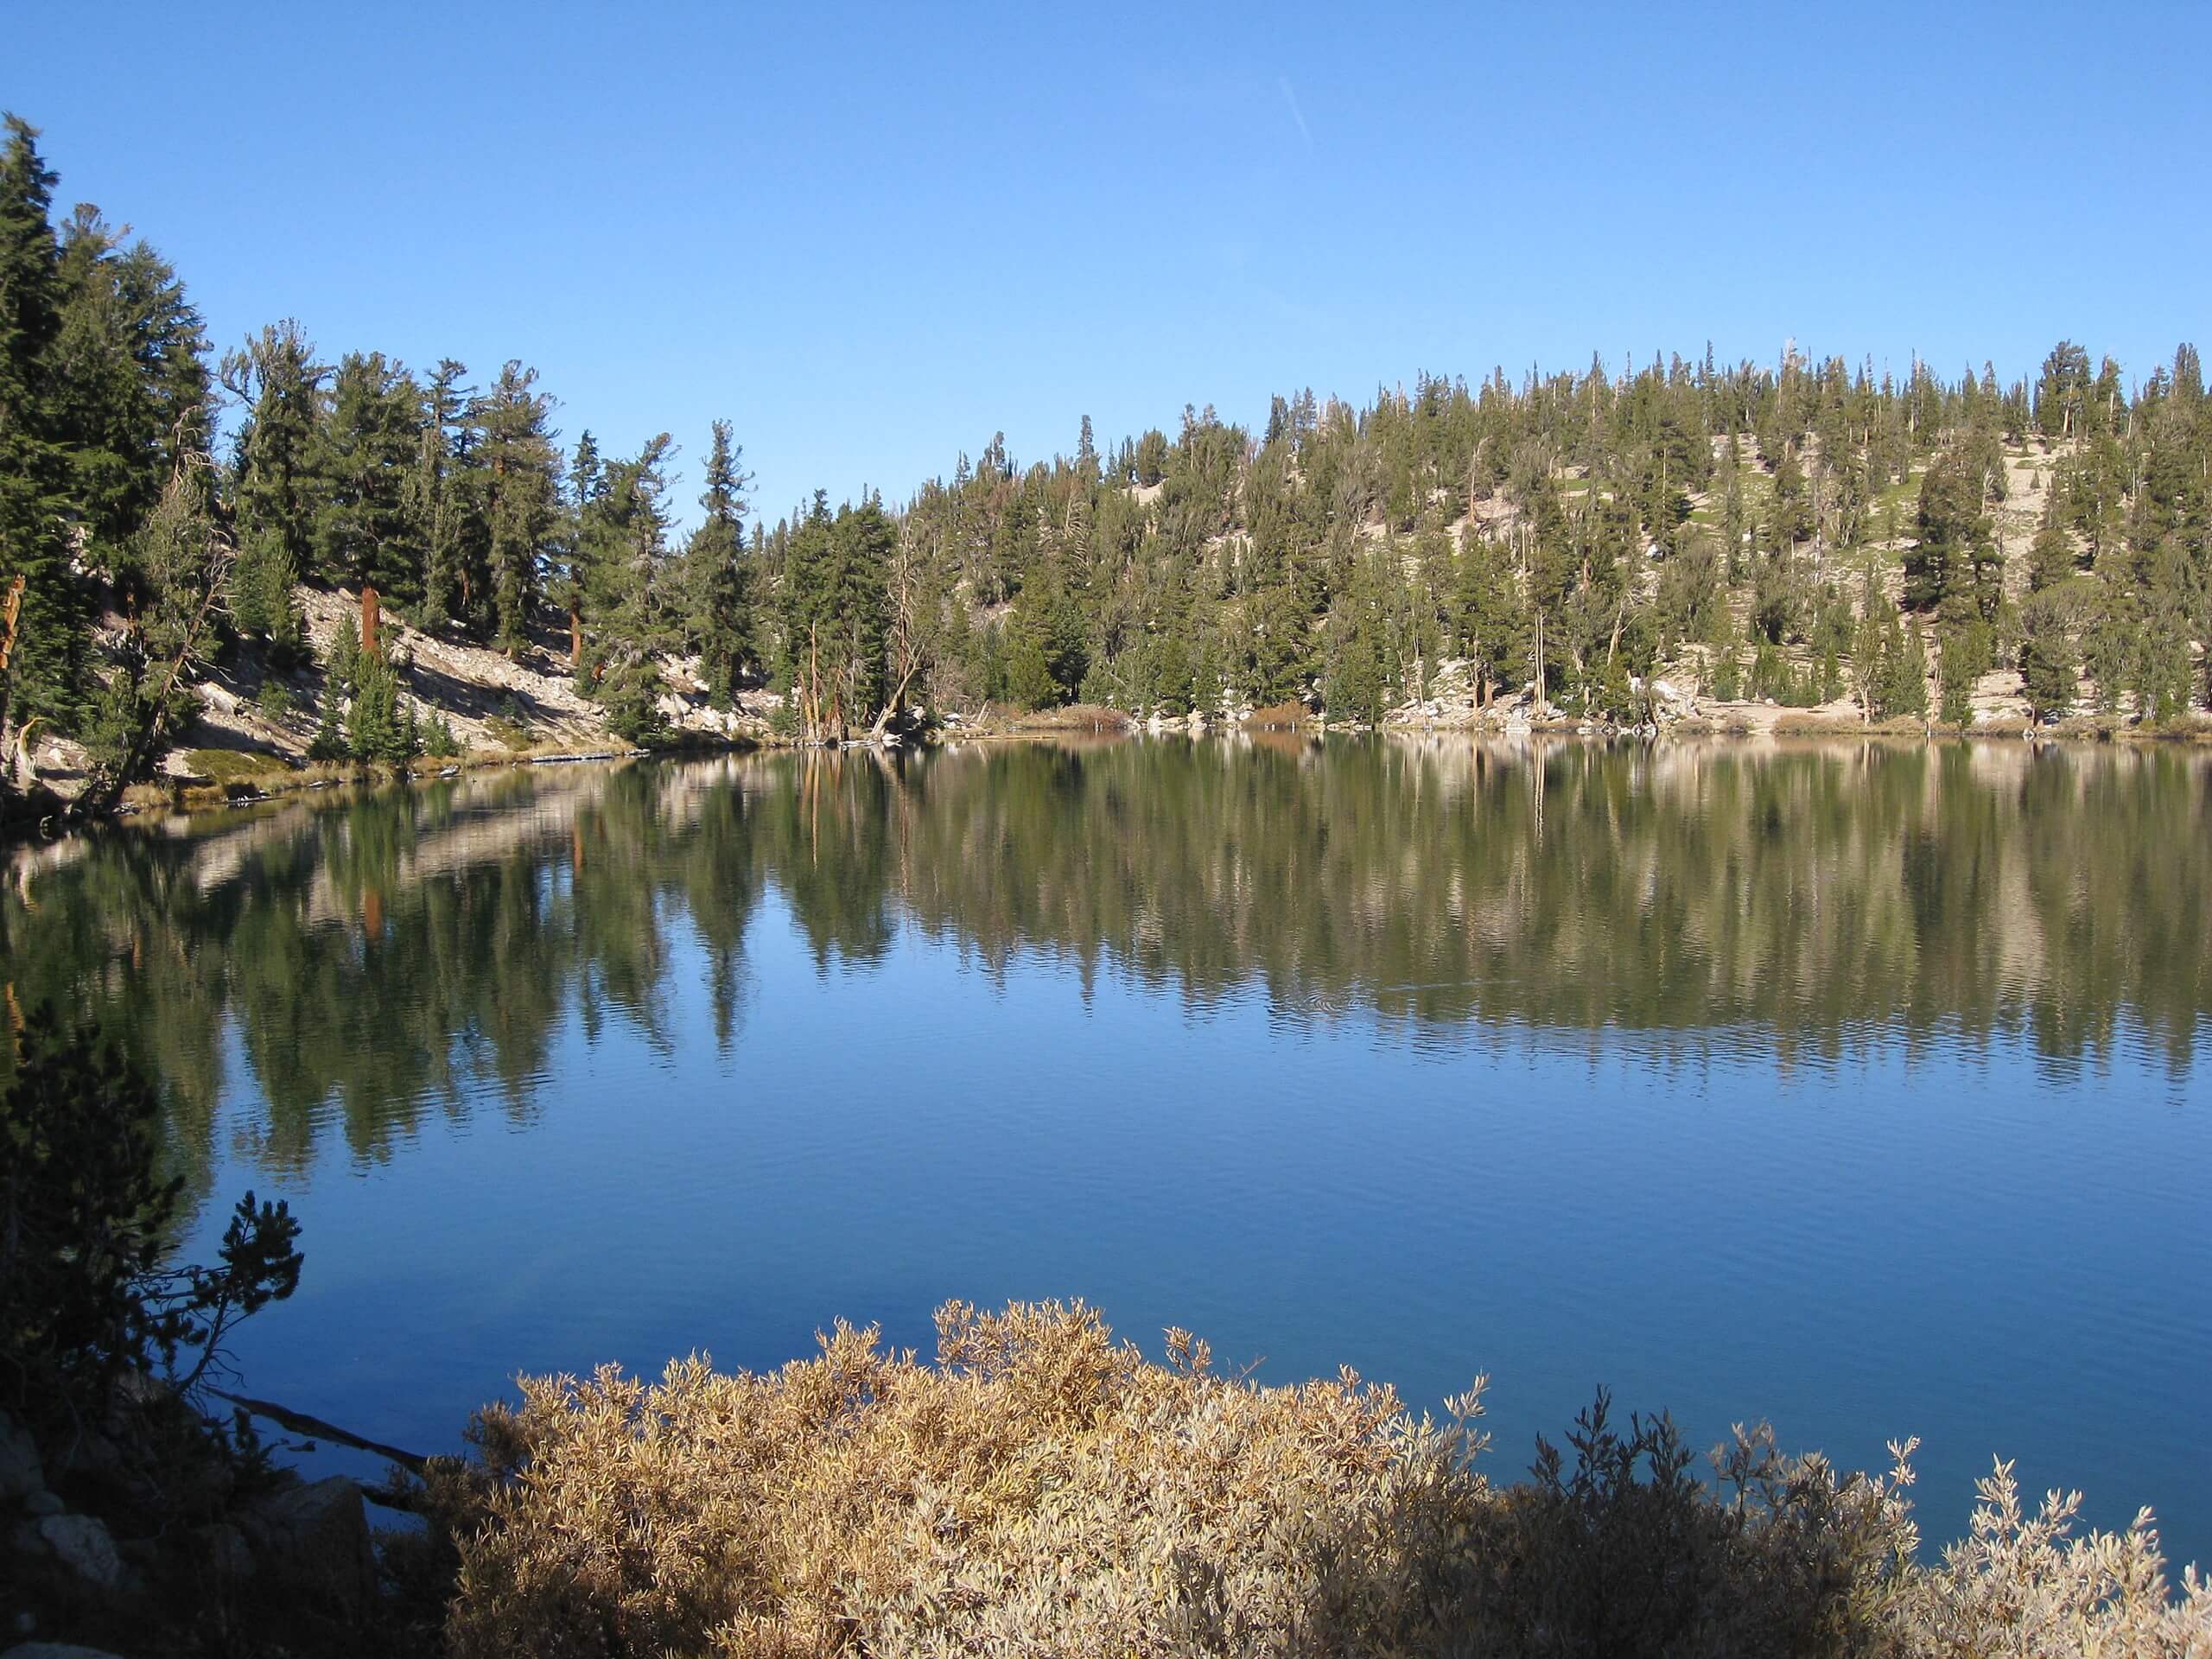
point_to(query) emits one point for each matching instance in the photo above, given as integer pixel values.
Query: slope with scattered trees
(1598, 544)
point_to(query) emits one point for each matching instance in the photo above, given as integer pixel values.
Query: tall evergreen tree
(42, 640)
(833, 613)
(717, 588)
(367, 533)
(130, 380)
(279, 490)
(517, 470)
(436, 504)
(632, 600)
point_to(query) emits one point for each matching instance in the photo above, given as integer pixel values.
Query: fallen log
(301, 1423)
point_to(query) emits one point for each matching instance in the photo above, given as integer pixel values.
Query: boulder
(224, 1549)
(313, 1540)
(19, 1473)
(55, 1651)
(82, 1544)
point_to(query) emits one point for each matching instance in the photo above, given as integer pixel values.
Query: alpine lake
(1856, 1087)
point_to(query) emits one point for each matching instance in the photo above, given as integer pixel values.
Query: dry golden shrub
(1041, 1489)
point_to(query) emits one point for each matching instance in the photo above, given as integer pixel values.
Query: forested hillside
(1808, 531)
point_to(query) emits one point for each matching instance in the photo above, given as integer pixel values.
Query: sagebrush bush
(1042, 1489)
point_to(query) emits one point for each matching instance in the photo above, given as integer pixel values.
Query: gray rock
(313, 1538)
(42, 1504)
(225, 1551)
(82, 1544)
(55, 1651)
(19, 1473)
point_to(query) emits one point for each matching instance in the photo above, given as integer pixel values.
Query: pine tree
(279, 490)
(380, 727)
(180, 560)
(2050, 557)
(580, 535)
(2048, 658)
(130, 380)
(40, 657)
(436, 505)
(632, 599)
(717, 594)
(1952, 537)
(368, 450)
(515, 469)
(834, 615)
(1970, 651)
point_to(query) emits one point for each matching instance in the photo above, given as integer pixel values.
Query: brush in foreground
(1042, 1489)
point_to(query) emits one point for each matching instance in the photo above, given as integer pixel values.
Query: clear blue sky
(873, 236)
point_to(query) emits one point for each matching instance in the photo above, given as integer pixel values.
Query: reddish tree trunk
(370, 614)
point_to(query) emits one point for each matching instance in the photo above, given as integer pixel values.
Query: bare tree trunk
(890, 707)
(371, 614)
(11, 609)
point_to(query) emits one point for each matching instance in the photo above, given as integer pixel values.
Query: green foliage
(516, 470)
(1727, 675)
(278, 492)
(381, 724)
(835, 613)
(2048, 665)
(343, 669)
(629, 689)
(632, 592)
(1026, 678)
(328, 745)
(719, 623)
(367, 531)
(1901, 677)
(274, 699)
(1970, 651)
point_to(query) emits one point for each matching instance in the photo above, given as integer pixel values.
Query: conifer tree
(718, 602)
(41, 649)
(631, 599)
(367, 534)
(515, 469)
(436, 504)
(582, 530)
(129, 378)
(834, 615)
(279, 490)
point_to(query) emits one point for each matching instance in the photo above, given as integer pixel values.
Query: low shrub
(1042, 1489)
(235, 765)
(1074, 717)
(515, 736)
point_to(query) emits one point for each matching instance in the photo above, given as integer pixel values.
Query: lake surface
(1858, 1088)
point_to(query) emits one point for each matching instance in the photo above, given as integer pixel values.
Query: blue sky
(873, 236)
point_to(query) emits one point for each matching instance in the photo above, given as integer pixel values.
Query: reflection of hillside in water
(377, 953)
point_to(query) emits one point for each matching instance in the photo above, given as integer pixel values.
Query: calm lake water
(1857, 1088)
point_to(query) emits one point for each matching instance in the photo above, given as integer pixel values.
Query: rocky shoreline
(149, 1527)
